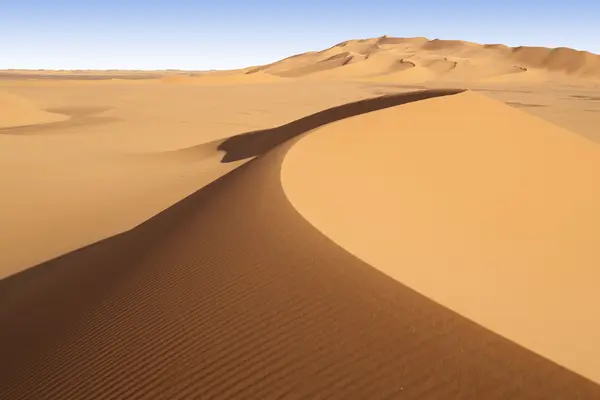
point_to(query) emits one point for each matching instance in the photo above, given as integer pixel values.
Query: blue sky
(223, 34)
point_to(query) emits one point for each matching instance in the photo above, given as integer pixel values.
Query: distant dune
(444, 60)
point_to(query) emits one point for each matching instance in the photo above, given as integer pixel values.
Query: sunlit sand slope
(482, 207)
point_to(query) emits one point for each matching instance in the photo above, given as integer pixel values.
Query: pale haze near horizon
(230, 34)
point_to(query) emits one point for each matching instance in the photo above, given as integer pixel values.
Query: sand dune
(354, 59)
(233, 294)
(467, 205)
(16, 111)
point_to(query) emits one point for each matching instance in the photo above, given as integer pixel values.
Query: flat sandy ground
(430, 243)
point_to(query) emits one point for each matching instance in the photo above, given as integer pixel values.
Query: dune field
(386, 218)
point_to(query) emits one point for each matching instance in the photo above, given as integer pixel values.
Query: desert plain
(385, 218)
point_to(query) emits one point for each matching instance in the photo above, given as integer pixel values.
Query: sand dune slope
(473, 203)
(16, 111)
(232, 294)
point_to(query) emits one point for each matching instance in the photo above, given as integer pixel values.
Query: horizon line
(175, 69)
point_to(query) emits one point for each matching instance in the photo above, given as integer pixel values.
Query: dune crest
(477, 205)
(17, 111)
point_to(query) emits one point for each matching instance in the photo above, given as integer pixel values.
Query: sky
(227, 34)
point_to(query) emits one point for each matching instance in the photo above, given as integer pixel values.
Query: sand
(463, 207)
(16, 111)
(320, 227)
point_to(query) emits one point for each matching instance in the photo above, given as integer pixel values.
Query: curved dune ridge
(483, 208)
(16, 111)
(231, 293)
(438, 57)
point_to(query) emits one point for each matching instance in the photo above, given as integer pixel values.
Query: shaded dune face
(232, 294)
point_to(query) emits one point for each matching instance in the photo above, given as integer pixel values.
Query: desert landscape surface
(386, 218)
